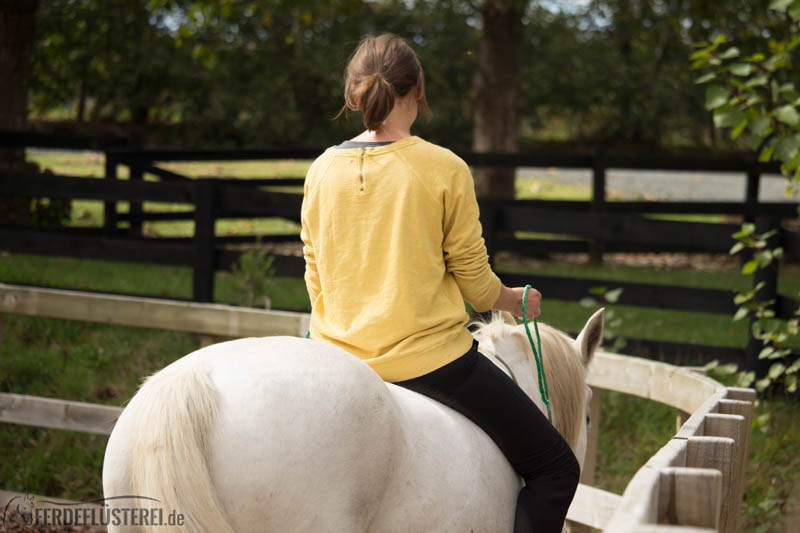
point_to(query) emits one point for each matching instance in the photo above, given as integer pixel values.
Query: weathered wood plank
(211, 319)
(690, 497)
(653, 380)
(57, 414)
(715, 453)
(593, 507)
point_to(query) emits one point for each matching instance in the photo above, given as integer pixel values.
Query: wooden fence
(599, 226)
(694, 482)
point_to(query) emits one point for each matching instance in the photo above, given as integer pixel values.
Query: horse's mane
(563, 368)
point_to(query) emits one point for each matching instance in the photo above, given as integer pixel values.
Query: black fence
(597, 226)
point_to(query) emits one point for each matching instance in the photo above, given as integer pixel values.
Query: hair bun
(381, 69)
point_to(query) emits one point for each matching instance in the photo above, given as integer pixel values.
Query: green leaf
(761, 126)
(705, 78)
(758, 81)
(791, 383)
(727, 370)
(787, 148)
(755, 58)
(730, 53)
(716, 96)
(743, 297)
(741, 69)
(794, 367)
(762, 384)
(613, 296)
(746, 379)
(786, 114)
(766, 155)
(736, 248)
(597, 290)
(766, 352)
(700, 54)
(753, 99)
(794, 12)
(749, 267)
(780, 5)
(728, 118)
(776, 370)
(738, 129)
(588, 302)
(741, 313)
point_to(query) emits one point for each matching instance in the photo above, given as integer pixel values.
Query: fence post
(751, 194)
(110, 207)
(135, 210)
(597, 246)
(204, 221)
(769, 276)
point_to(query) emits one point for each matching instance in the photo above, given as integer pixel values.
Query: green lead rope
(537, 354)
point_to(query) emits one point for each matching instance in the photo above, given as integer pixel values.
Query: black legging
(476, 388)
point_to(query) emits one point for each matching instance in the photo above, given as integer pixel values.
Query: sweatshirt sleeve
(464, 248)
(311, 274)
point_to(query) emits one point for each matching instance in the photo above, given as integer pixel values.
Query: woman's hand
(511, 300)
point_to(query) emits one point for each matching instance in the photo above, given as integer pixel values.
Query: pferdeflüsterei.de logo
(130, 510)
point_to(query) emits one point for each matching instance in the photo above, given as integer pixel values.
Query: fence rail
(594, 226)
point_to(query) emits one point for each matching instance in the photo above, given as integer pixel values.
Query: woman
(393, 247)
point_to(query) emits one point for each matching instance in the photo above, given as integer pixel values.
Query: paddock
(693, 483)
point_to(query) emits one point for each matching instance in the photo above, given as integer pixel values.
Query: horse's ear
(591, 336)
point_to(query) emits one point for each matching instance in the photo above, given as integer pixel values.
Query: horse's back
(306, 436)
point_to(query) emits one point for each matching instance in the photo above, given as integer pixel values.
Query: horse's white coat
(305, 437)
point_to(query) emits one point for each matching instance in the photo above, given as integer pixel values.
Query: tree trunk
(17, 19)
(497, 93)
(17, 22)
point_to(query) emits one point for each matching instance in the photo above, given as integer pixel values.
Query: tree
(496, 92)
(17, 22)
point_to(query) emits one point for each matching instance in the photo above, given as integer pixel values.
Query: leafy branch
(754, 97)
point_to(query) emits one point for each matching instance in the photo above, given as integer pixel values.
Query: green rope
(537, 354)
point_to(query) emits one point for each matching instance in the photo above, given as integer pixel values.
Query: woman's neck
(382, 135)
(397, 125)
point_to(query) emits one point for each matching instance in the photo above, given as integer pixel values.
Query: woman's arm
(511, 300)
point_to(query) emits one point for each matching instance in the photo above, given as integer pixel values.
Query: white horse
(282, 434)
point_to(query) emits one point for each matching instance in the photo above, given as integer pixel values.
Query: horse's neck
(508, 352)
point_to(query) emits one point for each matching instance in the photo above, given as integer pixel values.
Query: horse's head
(566, 361)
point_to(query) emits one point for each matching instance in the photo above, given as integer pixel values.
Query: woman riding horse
(393, 247)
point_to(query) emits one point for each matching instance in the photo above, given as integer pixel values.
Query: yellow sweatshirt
(393, 247)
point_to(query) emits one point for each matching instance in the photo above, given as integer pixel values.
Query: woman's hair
(381, 69)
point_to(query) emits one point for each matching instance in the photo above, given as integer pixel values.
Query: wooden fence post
(204, 221)
(110, 207)
(135, 211)
(751, 195)
(597, 246)
(769, 276)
